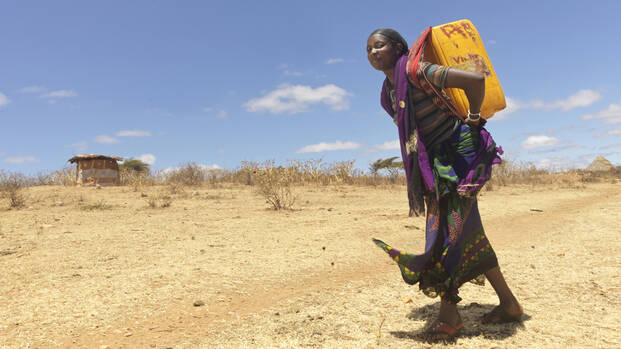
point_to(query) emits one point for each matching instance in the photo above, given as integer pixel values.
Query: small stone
(332, 263)
(323, 248)
(277, 313)
(104, 347)
(143, 195)
(128, 334)
(199, 303)
(97, 186)
(58, 203)
(196, 193)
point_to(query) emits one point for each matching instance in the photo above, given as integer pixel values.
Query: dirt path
(343, 304)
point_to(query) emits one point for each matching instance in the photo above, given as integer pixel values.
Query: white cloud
(210, 167)
(60, 94)
(615, 132)
(610, 115)
(148, 159)
(512, 106)
(133, 133)
(391, 145)
(4, 100)
(335, 60)
(611, 146)
(288, 72)
(21, 159)
(105, 139)
(321, 147)
(202, 166)
(79, 146)
(31, 89)
(559, 163)
(539, 141)
(220, 114)
(298, 98)
(582, 98)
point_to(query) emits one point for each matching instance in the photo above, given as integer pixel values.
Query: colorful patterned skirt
(456, 248)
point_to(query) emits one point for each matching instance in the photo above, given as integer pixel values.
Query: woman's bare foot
(447, 325)
(504, 313)
(509, 309)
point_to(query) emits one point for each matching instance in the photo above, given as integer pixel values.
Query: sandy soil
(96, 268)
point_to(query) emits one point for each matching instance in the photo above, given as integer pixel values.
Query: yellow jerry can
(459, 45)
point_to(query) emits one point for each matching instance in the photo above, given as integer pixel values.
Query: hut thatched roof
(94, 157)
(601, 164)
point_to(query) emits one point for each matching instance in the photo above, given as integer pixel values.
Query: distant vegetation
(276, 183)
(134, 165)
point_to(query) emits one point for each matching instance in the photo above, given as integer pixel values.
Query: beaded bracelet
(469, 118)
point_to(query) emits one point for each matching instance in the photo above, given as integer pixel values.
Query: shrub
(99, 205)
(190, 174)
(134, 165)
(11, 185)
(274, 184)
(65, 176)
(160, 201)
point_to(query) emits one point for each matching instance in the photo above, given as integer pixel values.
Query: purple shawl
(415, 171)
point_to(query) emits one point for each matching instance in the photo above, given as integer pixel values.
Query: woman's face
(382, 52)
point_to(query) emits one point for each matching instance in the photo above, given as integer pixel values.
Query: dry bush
(96, 206)
(520, 173)
(11, 185)
(275, 185)
(66, 176)
(136, 179)
(246, 174)
(190, 174)
(160, 201)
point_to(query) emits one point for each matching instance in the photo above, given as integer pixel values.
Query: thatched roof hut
(97, 169)
(601, 164)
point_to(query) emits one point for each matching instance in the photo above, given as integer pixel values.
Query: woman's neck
(389, 75)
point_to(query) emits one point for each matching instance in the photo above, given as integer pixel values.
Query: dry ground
(86, 267)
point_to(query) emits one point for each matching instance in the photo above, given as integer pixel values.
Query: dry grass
(128, 276)
(87, 267)
(316, 172)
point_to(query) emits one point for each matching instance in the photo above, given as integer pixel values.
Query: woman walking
(447, 159)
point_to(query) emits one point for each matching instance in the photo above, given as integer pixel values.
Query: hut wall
(98, 171)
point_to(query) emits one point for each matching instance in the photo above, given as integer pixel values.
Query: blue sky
(219, 82)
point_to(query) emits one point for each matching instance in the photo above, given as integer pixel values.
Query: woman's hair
(394, 36)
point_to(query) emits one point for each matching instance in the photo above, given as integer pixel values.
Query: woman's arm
(472, 83)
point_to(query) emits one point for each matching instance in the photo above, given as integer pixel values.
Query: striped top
(434, 124)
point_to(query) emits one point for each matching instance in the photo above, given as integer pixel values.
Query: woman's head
(384, 47)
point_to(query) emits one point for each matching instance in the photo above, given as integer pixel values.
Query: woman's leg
(449, 314)
(448, 324)
(509, 305)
